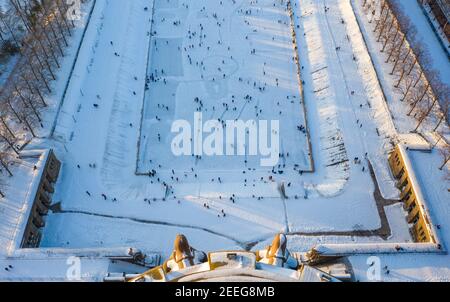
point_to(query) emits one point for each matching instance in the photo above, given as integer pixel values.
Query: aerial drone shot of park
(150, 139)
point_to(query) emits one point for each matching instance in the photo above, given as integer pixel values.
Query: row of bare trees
(40, 30)
(419, 85)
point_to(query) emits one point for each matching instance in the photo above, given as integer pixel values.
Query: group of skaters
(357, 161)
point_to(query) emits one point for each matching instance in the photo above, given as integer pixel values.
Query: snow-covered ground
(338, 197)
(106, 132)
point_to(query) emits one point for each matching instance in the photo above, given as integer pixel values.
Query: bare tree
(8, 139)
(443, 114)
(418, 96)
(445, 152)
(4, 163)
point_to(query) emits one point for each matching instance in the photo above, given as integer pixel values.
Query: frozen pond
(235, 63)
